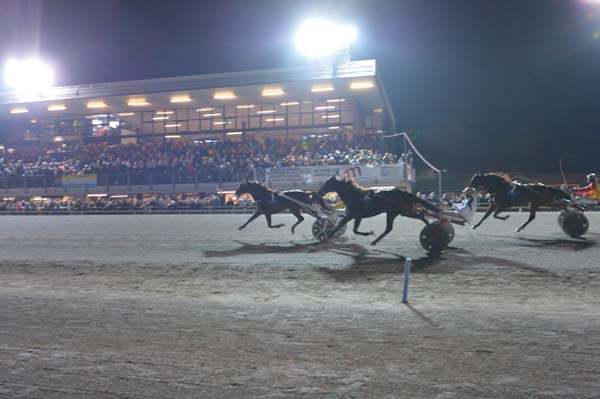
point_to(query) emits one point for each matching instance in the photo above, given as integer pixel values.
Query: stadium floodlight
(318, 38)
(30, 75)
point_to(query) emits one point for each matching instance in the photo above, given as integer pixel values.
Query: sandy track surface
(187, 307)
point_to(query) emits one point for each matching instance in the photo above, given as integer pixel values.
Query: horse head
(478, 182)
(247, 187)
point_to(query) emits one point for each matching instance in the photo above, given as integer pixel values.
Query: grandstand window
(293, 119)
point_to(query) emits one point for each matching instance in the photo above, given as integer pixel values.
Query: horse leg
(355, 230)
(300, 218)
(275, 226)
(500, 217)
(256, 214)
(532, 211)
(342, 223)
(487, 214)
(388, 227)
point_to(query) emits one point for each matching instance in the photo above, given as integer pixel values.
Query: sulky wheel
(341, 230)
(435, 237)
(574, 224)
(562, 215)
(322, 227)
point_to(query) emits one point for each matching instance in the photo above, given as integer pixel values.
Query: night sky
(481, 84)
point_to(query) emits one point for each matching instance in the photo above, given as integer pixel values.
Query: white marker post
(407, 266)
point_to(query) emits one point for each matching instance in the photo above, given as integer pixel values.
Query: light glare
(319, 38)
(28, 75)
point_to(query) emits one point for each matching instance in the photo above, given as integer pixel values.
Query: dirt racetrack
(189, 307)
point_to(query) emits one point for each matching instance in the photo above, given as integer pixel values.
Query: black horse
(363, 203)
(269, 202)
(505, 194)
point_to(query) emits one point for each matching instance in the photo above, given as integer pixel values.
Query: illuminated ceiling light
(56, 107)
(96, 104)
(378, 110)
(234, 133)
(278, 119)
(321, 88)
(58, 138)
(224, 95)
(126, 114)
(19, 110)
(222, 123)
(163, 112)
(266, 111)
(182, 98)
(332, 116)
(333, 127)
(211, 115)
(245, 106)
(286, 104)
(28, 75)
(160, 118)
(320, 38)
(96, 122)
(173, 125)
(272, 92)
(205, 109)
(324, 107)
(336, 100)
(172, 136)
(361, 85)
(138, 102)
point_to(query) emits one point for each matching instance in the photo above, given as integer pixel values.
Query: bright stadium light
(28, 75)
(321, 38)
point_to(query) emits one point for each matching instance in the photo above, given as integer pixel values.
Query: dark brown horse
(505, 194)
(269, 202)
(363, 203)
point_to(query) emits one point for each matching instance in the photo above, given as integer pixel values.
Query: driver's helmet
(591, 177)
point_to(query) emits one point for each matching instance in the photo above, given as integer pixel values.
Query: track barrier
(407, 267)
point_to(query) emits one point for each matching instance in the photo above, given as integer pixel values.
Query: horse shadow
(339, 246)
(366, 265)
(556, 243)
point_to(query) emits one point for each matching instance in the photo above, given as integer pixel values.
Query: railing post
(128, 183)
(172, 182)
(25, 184)
(150, 181)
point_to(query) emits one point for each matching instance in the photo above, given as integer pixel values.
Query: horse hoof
(371, 233)
(374, 243)
(241, 228)
(473, 227)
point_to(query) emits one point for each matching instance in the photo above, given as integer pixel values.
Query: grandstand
(290, 127)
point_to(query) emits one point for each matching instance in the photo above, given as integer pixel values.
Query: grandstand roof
(247, 86)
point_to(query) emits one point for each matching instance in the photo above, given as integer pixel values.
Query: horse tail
(427, 204)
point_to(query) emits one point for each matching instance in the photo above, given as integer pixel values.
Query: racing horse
(269, 202)
(506, 193)
(364, 203)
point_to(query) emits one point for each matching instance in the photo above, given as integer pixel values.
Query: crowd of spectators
(119, 203)
(210, 161)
